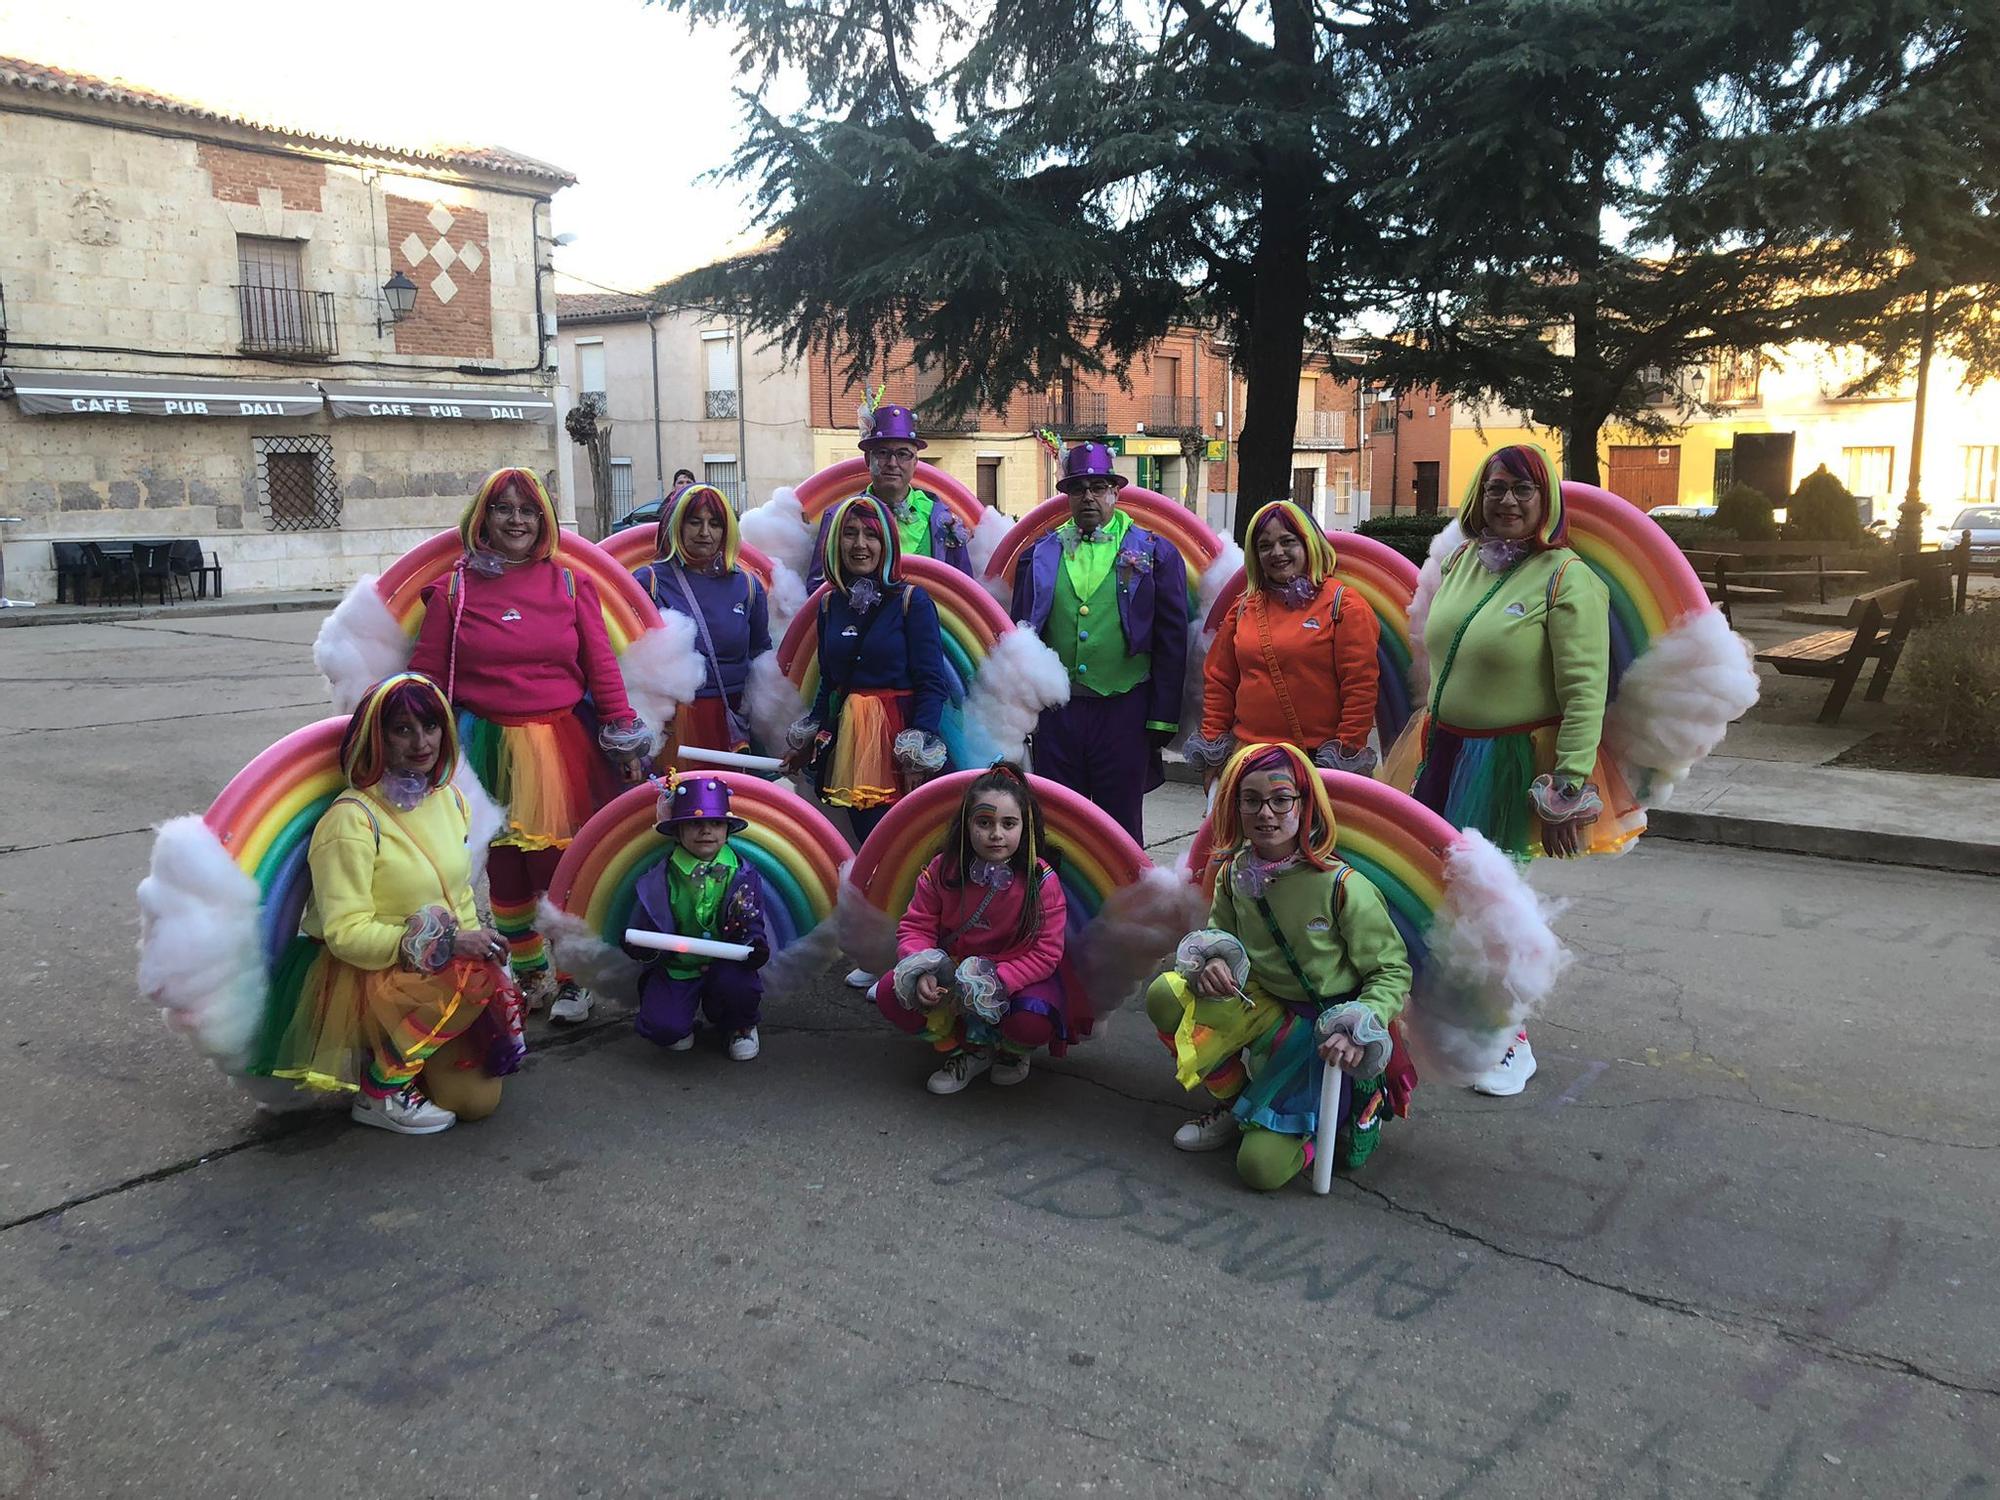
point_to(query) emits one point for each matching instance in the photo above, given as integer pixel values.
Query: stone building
(682, 389)
(303, 352)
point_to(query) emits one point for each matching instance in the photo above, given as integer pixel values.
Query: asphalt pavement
(1736, 1238)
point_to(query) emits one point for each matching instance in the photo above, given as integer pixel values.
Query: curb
(1866, 846)
(194, 609)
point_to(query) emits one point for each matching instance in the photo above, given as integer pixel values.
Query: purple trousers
(729, 993)
(1099, 749)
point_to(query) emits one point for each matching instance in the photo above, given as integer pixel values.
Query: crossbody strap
(1284, 944)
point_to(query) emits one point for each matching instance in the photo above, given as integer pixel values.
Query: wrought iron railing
(1077, 414)
(722, 404)
(286, 321)
(1174, 416)
(1322, 429)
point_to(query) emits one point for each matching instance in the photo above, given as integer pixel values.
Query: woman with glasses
(925, 525)
(1299, 969)
(518, 642)
(1295, 661)
(1519, 643)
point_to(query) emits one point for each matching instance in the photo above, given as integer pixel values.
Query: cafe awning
(62, 393)
(445, 403)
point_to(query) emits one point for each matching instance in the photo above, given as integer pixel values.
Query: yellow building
(1864, 441)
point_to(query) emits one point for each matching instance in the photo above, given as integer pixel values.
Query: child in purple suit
(704, 889)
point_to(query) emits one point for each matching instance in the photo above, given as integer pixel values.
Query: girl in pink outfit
(518, 640)
(981, 973)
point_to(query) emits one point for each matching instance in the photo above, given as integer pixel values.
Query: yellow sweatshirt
(364, 889)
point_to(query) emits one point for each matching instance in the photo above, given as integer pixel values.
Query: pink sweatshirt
(936, 910)
(526, 649)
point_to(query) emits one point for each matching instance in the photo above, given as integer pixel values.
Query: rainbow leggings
(516, 879)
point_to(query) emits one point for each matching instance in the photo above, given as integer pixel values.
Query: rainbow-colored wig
(684, 503)
(523, 484)
(875, 514)
(1518, 461)
(1284, 514)
(1317, 828)
(364, 758)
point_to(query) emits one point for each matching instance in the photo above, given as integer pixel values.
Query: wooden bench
(1877, 624)
(1773, 560)
(1723, 591)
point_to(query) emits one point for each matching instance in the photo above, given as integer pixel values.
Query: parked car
(644, 515)
(1983, 521)
(1681, 512)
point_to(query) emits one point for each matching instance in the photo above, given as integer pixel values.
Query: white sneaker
(1511, 1074)
(1010, 1068)
(406, 1112)
(861, 979)
(744, 1046)
(572, 1004)
(959, 1070)
(685, 1044)
(1209, 1132)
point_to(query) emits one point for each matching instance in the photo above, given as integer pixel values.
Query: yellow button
(1083, 609)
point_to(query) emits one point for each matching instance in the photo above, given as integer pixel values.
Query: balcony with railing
(286, 322)
(1322, 429)
(1174, 416)
(929, 421)
(1082, 414)
(722, 405)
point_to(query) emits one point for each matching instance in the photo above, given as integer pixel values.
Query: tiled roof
(18, 73)
(581, 307)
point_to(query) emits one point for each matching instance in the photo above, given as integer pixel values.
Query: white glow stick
(1329, 1109)
(765, 763)
(693, 947)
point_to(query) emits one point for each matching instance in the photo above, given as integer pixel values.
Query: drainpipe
(659, 451)
(742, 431)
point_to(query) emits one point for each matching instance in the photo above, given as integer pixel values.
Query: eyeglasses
(1282, 804)
(1099, 487)
(894, 455)
(514, 512)
(1522, 492)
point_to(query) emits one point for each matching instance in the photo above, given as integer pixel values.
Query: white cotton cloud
(1677, 701)
(662, 670)
(358, 645)
(201, 955)
(779, 529)
(1019, 678)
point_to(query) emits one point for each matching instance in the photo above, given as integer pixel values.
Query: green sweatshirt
(1523, 660)
(1342, 940)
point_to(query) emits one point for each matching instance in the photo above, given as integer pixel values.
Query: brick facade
(447, 252)
(240, 176)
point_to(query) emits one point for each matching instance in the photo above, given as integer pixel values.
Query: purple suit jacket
(653, 911)
(949, 542)
(1152, 608)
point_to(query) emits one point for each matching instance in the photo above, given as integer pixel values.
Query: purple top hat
(689, 799)
(1086, 461)
(892, 424)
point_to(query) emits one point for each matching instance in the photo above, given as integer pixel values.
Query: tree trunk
(1588, 393)
(1910, 521)
(1274, 340)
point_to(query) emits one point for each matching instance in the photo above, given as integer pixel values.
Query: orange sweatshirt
(1325, 654)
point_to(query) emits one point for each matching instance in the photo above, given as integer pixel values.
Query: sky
(632, 100)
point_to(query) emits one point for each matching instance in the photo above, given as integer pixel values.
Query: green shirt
(1525, 657)
(916, 531)
(1084, 628)
(695, 891)
(1340, 934)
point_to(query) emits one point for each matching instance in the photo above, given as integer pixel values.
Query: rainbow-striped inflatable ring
(849, 477)
(789, 843)
(628, 613)
(1388, 581)
(265, 818)
(1397, 842)
(1653, 586)
(1097, 855)
(632, 548)
(1189, 535)
(970, 623)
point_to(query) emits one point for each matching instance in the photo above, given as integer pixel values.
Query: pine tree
(1055, 188)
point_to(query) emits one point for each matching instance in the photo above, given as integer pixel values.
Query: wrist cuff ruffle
(632, 737)
(1198, 948)
(1209, 755)
(1554, 804)
(1362, 1027)
(1336, 756)
(918, 752)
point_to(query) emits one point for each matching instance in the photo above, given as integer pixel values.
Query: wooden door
(1427, 488)
(1647, 476)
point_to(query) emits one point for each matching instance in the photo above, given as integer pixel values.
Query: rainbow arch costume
(795, 851)
(1669, 678)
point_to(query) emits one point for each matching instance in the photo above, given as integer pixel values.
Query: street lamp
(399, 295)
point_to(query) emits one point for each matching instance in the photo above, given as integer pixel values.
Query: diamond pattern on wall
(444, 286)
(439, 218)
(443, 254)
(471, 257)
(447, 249)
(413, 249)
